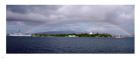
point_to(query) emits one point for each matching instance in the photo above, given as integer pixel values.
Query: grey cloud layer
(74, 17)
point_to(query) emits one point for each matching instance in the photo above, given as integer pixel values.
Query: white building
(71, 35)
(90, 33)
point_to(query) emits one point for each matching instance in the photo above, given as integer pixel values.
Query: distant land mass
(70, 34)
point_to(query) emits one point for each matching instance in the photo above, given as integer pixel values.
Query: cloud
(87, 18)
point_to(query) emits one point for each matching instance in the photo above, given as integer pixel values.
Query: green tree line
(77, 35)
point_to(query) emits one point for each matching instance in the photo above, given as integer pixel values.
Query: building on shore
(72, 36)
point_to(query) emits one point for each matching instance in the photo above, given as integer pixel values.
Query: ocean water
(69, 45)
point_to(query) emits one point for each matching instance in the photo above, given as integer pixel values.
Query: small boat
(19, 34)
(119, 36)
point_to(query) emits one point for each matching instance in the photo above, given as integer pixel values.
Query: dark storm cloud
(30, 13)
(17, 9)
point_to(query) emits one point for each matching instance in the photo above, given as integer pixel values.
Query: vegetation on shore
(72, 35)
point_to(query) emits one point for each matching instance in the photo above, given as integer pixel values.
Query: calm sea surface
(69, 45)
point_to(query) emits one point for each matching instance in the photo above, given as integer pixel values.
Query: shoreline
(70, 37)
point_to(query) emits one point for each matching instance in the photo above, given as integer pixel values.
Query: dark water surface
(69, 45)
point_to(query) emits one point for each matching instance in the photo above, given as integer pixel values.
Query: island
(73, 35)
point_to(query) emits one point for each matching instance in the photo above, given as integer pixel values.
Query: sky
(113, 19)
